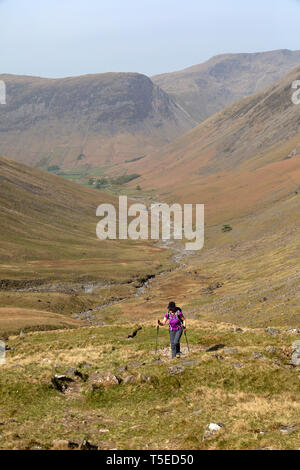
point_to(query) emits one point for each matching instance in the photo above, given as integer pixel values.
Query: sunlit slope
(48, 231)
(236, 161)
(206, 88)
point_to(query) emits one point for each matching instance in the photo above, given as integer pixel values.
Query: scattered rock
(271, 349)
(272, 331)
(257, 355)
(237, 365)
(230, 351)
(212, 429)
(174, 370)
(288, 429)
(197, 412)
(22, 334)
(215, 348)
(293, 331)
(122, 369)
(237, 330)
(99, 379)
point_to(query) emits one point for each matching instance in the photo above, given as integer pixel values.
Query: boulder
(174, 370)
(230, 351)
(295, 360)
(103, 379)
(296, 345)
(130, 379)
(293, 331)
(272, 331)
(288, 429)
(258, 355)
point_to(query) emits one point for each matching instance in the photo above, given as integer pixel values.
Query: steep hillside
(207, 88)
(92, 120)
(50, 257)
(235, 162)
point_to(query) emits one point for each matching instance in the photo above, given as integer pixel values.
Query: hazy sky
(56, 38)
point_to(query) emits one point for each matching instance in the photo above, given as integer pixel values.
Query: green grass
(156, 414)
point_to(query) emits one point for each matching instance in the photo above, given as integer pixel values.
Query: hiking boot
(178, 356)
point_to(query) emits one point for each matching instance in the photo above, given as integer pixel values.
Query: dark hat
(171, 306)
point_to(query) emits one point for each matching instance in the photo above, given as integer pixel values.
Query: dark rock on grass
(86, 445)
(61, 382)
(76, 373)
(215, 347)
(134, 333)
(272, 331)
(174, 370)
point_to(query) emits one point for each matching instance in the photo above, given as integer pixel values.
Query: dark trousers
(175, 341)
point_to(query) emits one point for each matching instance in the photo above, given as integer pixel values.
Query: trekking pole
(187, 343)
(157, 330)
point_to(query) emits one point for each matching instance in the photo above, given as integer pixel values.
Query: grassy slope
(48, 235)
(235, 162)
(252, 401)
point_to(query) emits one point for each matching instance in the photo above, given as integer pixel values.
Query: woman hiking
(176, 326)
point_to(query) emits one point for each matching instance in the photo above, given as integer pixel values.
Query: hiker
(176, 327)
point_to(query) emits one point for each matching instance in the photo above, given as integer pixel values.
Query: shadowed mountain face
(238, 160)
(100, 118)
(207, 88)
